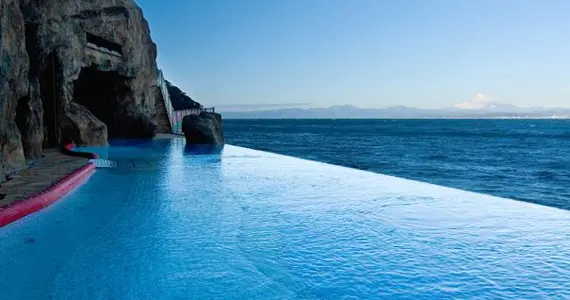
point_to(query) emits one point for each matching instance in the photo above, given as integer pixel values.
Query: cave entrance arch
(51, 100)
(100, 92)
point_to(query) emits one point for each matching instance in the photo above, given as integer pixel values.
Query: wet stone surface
(44, 173)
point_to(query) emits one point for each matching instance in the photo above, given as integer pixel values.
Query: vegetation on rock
(179, 99)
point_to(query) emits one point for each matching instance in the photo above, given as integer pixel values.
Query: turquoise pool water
(245, 224)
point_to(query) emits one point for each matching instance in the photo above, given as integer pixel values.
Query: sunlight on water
(246, 224)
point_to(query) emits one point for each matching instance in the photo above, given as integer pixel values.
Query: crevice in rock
(51, 100)
(29, 107)
(32, 48)
(22, 113)
(100, 92)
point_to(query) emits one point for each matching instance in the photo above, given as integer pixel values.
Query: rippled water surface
(246, 224)
(519, 159)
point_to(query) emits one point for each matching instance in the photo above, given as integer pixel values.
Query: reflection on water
(250, 225)
(201, 149)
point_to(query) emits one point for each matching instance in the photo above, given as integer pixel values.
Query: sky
(368, 53)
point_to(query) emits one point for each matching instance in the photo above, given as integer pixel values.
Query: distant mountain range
(475, 108)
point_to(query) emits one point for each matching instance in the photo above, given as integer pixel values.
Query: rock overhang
(50, 43)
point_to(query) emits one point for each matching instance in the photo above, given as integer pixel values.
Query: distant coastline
(403, 112)
(402, 118)
(565, 117)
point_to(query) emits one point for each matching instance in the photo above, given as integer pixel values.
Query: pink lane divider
(45, 198)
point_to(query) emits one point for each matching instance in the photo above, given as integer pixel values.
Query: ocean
(527, 160)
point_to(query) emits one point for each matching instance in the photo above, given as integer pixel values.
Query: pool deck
(44, 173)
(40, 176)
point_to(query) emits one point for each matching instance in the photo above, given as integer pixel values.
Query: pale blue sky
(370, 53)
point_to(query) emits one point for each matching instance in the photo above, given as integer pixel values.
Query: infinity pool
(245, 224)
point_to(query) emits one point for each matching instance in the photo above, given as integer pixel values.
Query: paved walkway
(44, 173)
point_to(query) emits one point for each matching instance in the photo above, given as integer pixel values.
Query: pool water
(165, 223)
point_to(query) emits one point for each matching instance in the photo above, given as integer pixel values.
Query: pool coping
(53, 193)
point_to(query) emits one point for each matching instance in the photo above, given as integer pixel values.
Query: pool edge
(45, 198)
(415, 181)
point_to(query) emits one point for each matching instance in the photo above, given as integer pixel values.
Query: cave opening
(51, 102)
(100, 92)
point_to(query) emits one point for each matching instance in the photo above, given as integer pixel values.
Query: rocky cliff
(179, 99)
(14, 66)
(79, 70)
(203, 129)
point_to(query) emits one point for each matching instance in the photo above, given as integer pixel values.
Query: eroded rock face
(13, 85)
(110, 36)
(203, 129)
(44, 47)
(80, 126)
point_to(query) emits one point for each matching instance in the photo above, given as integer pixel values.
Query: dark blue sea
(527, 160)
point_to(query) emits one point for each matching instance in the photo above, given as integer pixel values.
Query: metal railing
(179, 115)
(209, 109)
(175, 117)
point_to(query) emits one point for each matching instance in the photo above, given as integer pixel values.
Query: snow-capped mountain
(484, 102)
(479, 106)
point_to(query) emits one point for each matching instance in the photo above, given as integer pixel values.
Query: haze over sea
(526, 160)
